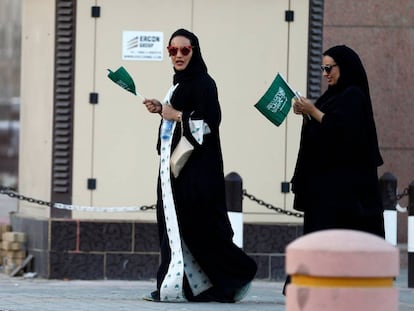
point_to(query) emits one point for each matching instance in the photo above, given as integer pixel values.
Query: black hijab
(196, 64)
(352, 70)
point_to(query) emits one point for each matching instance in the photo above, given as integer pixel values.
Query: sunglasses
(327, 68)
(185, 50)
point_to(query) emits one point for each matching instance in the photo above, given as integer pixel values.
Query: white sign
(142, 45)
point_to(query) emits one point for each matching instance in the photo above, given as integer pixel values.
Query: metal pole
(388, 190)
(411, 235)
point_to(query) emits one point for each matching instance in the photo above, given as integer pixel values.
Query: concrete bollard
(341, 270)
(234, 201)
(388, 190)
(411, 235)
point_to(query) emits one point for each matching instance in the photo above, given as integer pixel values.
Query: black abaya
(199, 190)
(335, 181)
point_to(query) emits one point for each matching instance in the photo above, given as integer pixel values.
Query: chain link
(297, 214)
(12, 193)
(270, 206)
(147, 207)
(402, 194)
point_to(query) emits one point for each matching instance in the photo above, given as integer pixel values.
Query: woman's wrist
(317, 114)
(159, 107)
(179, 116)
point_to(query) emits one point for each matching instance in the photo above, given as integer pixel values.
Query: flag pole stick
(140, 95)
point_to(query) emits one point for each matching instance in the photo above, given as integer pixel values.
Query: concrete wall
(36, 112)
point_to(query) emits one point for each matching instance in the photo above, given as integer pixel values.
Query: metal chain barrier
(402, 194)
(398, 197)
(297, 214)
(14, 194)
(270, 206)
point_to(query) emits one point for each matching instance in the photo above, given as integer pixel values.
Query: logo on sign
(139, 45)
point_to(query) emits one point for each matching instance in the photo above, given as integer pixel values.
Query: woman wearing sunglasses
(335, 180)
(199, 261)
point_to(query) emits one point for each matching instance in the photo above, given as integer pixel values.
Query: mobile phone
(298, 95)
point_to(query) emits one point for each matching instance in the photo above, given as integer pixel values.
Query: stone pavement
(21, 294)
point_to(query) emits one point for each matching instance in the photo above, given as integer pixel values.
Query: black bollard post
(411, 235)
(388, 190)
(234, 197)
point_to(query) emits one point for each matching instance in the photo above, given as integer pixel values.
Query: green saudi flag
(124, 80)
(277, 101)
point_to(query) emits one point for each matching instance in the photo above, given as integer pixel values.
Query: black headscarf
(352, 73)
(352, 70)
(196, 64)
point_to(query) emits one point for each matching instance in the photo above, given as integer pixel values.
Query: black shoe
(153, 296)
(242, 292)
(212, 295)
(287, 282)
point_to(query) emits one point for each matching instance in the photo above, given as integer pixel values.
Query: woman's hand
(304, 106)
(169, 113)
(296, 106)
(153, 105)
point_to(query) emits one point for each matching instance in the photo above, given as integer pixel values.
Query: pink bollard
(341, 270)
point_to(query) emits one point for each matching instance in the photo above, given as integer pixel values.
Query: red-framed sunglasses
(185, 50)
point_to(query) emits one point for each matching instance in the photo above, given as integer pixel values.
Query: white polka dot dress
(182, 260)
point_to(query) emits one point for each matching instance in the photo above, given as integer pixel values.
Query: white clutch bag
(180, 154)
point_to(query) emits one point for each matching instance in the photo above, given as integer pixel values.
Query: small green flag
(277, 101)
(124, 80)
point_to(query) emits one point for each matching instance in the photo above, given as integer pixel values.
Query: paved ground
(18, 294)
(21, 294)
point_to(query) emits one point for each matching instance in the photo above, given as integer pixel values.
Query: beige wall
(244, 43)
(380, 30)
(36, 104)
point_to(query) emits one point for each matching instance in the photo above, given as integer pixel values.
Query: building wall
(379, 30)
(114, 140)
(128, 249)
(10, 26)
(382, 32)
(36, 111)
(10, 35)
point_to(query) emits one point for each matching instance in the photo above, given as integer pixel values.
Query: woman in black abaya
(335, 180)
(199, 261)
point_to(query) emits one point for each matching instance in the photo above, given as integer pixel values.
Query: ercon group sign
(142, 45)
